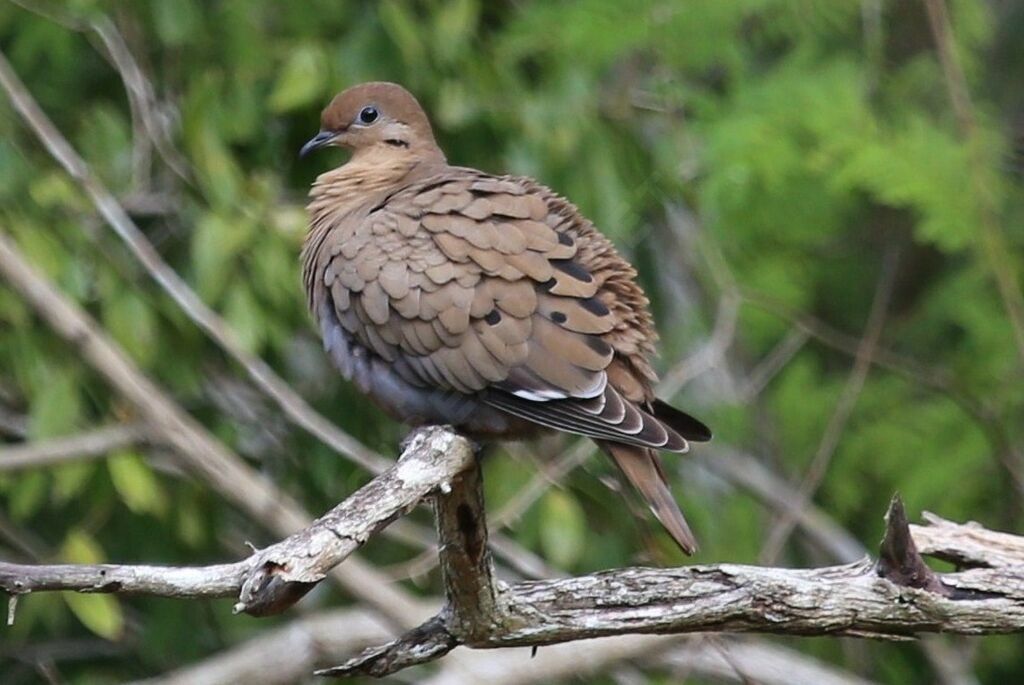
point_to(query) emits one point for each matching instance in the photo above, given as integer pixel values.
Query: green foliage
(805, 139)
(100, 613)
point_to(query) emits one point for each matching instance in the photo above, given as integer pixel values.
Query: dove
(487, 302)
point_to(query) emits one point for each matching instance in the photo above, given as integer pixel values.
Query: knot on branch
(268, 591)
(899, 561)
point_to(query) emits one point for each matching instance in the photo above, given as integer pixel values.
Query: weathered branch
(967, 544)
(273, 579)
(896, 598)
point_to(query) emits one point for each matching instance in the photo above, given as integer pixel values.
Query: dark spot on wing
(594, 306)
(567, 266)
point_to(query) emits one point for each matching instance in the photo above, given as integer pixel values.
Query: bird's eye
(368, 115)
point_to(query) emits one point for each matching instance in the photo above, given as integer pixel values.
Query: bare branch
(273, 579)
(711, 353)
(772, 364)
(93, 443)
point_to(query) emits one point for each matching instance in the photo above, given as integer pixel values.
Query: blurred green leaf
(301, 81)
(56, 406)
(27, 494)
(177, 21)
(132, 323)
(100, 613)
(244, 315)
(563, 530)
(70, 480)
(135, 483)
(402, 26)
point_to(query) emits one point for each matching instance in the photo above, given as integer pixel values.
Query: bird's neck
(371, 174)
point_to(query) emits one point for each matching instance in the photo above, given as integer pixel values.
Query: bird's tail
(642, 467)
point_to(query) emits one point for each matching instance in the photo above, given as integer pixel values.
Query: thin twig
(142, 100)
(86, 445)
(711, 353)
(293, 405)
(995, 247)
(939, 380)
(844, 407)
(759, 378)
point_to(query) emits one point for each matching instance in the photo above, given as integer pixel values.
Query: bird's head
(374, 116)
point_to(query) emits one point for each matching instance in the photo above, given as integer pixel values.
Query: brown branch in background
(146, 111)
(291, 403)
(274, 578)
(283, 655)
(751, 475)
(995, 248)
(885, 358)
(86, 445)
(12, 424)
(937, 379)
(759, 377)
(290, 653)
(844, 407)
(752, 662)
(205, 456)
(711, 353)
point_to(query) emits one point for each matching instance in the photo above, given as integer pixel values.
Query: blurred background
(824, 201)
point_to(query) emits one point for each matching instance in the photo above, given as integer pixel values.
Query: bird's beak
(319, 140)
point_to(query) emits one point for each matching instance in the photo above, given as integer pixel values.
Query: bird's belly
(411, 403)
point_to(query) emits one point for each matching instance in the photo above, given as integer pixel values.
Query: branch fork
(273, 579)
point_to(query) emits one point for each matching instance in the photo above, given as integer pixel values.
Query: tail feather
(687, 426)
(642, 467)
